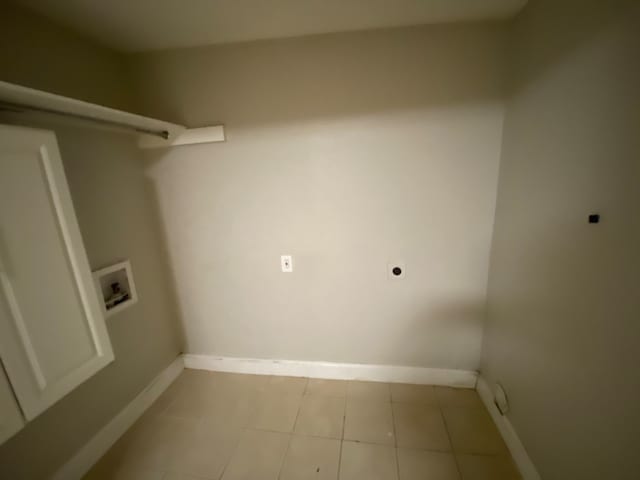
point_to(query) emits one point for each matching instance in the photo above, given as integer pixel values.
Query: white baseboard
(337, 371)
(95, 448)
(515, 446)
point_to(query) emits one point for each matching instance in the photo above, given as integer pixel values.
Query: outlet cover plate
(286, 263)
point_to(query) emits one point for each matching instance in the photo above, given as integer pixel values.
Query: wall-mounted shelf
(115, 287)
(189, 136)
(153, 132)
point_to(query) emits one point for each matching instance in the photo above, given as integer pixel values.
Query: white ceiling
(137, 25)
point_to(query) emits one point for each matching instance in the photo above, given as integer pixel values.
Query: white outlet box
(286, 262)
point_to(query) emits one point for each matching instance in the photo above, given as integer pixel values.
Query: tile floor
(211, 426)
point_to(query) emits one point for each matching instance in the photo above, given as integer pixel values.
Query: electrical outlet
(396, 270)
(286, 262)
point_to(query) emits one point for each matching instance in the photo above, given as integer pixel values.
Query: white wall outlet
(286, 262)
(396, 270)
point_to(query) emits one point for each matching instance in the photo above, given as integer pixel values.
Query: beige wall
(346, 151)
(39, 54)
(352, 150)
(118, 219)
(563, 328)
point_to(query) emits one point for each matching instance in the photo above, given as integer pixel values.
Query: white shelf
(190, 136)
(49, 103)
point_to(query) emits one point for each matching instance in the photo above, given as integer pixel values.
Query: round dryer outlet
(395, 270)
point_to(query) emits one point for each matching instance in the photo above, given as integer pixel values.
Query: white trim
(338, 371)
(95, 448)
(190, 136)
(23, 333)
(518, 452)
(17, 94)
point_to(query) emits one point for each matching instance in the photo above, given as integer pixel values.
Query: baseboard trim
(95, 448)
(509, 434)
(337, 371)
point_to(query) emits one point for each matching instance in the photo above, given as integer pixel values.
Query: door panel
(52, 331)
(10, 416)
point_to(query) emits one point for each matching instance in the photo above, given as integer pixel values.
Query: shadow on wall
(456, 322)
(162, 242)
(342, 150)
(38, 53)
(323, 76)
(570, 25)
(563, 305)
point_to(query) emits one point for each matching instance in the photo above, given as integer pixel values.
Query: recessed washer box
(115, 287)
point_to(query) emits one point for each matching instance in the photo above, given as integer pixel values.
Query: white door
(10, 416)
(52, 331)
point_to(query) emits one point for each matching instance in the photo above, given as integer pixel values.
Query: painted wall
(118, 219)
(562, 332)
(37, 53)
(347, 151)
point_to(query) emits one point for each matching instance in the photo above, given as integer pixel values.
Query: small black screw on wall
(594, 218)
(396, 271)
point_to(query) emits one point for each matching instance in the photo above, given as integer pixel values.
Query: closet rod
(20, 108)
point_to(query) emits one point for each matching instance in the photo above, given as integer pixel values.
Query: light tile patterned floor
(211, 426)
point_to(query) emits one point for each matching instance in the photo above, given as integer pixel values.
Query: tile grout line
(226, 465)
(395, 435)
(293, 429)
(295, 422)
(446, 427)
(284, 457)
(243, 429)
(172, 400)
(344, 422)
(299, 434)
